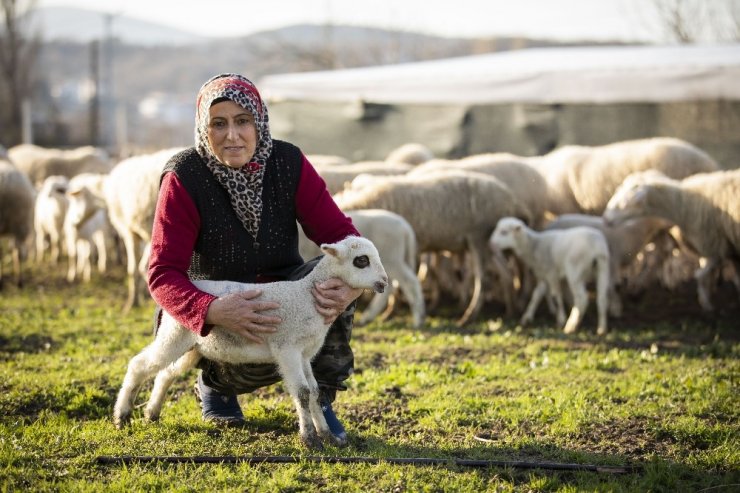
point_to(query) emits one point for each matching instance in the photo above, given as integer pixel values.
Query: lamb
(48, 218)
(451, 211)
(582, 179)
(573, 254)
(40, 162)
(395, 240)
(17, 198)
(86, 225)
(625, 241)
(706, 208)
(130, 193)
(297, 340)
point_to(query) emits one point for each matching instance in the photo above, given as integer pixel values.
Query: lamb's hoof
(312, 441)
(569, 329)
(602, 331)
(120, 421)
(153, 417)
(336, 441)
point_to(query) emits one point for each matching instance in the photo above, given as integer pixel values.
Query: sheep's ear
(335, 249)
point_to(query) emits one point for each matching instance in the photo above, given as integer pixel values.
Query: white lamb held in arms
(573, 254)
(296, 342)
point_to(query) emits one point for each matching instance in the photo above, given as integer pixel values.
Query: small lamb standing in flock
(292, 347)
(570, 254)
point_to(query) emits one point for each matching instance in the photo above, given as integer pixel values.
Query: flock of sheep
(488, 227)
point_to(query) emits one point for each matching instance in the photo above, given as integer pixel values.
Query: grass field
(660, 393)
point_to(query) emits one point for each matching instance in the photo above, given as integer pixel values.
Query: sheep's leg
(129, 243)
(317, 415)
(411, 289)
(580, 303)
(534, 302)
(604, 287)
(290, 363)
(99, 241)
(164, 380)
(506, 278)
(703, 276)
(615, 301)
(476, 301)
(83, 260)
(149, 361)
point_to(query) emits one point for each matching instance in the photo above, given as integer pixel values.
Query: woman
(227, 210)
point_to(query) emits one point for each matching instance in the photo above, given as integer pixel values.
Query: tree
(691, 21)
(18, 52)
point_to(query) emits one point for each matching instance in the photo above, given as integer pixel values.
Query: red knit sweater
(175, 230)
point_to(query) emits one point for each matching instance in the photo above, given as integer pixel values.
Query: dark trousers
(332, 366)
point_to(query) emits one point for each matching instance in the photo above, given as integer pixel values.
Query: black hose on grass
(417, 461)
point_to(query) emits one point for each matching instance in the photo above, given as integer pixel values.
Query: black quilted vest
(224, 249)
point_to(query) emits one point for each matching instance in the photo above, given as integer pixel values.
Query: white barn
(526, 102)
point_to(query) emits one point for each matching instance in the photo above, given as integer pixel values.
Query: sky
(627, 20)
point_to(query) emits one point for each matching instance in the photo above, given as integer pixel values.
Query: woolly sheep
(297, 340)
(625, 241)
(706, 208)
(40, 162)
(582, 179)
(337, 177)
(412, 153)
(524, 180)
(48, 218)
(17, 198)
(321, 160)
(395, 240)
(452, 211)
(577, 255)
(130, 192)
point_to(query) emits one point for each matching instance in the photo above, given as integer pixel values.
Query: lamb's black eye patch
(361, 262)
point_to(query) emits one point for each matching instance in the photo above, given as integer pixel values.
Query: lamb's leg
(411, 288)
(290, 363)
(534, 302)
(164, 380)
(100, 246)
(314, 405)
(580, 303)
(149, 361)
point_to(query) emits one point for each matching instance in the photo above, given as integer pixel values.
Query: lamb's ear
(335, 249)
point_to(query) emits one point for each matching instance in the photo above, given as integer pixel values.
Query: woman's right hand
(240, 314)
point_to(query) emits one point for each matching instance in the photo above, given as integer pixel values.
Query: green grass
(662, 396)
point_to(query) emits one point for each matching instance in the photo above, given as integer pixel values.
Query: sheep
(336, 177)
(625, 241)
(706, 208)
(412, 153)
(86, 225)
(40, 162)
(130, 192)
(297, 340)
(574, 254)
(453, 211)
(17, 198)
(321, 160)
(394, 238)
(582, 179)
(48, 218)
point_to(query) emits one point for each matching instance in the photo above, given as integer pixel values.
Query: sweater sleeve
(174, 233)
(318, 214)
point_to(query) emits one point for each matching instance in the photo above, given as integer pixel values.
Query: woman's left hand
(332, 297)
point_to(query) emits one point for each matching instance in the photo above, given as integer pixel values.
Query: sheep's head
(630, 198)
(358, 263)
(508, 229)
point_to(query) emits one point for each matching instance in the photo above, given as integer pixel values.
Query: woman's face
(232, 133)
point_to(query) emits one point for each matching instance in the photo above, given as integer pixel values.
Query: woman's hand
(240, 314)
(332, 297)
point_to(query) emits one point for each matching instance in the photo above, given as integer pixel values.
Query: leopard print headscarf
(244, 185)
